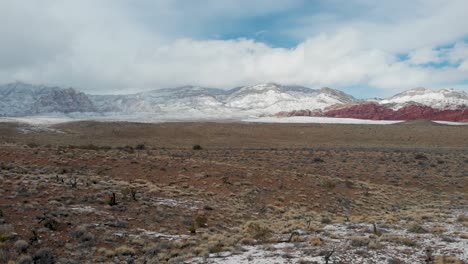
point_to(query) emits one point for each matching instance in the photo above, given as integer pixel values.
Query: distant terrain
(189, 103)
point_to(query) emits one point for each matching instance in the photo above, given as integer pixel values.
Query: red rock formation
(376, 111)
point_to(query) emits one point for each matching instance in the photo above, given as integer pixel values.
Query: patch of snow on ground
(192, 205)
(155, 234)
(338, 237)
(452, 123)
(43, 123)
(36, 124)
(37, 121)
(87, 210)
(318, 120)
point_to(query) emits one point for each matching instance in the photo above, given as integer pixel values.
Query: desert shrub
(4, 238)
(49, 222)
(374, 244)
(5, 231)
(316, 241)
(359, 241)
(462, 218)
(395, 261)
(448, 239)
(4, 257)
(325, 220)
(34, 239)
(105, 148)
(349, 184)
(44, 256)
(4, 166)
(258, 231)
(208, 208)
(21, 246)
(438, 230)
(329, 185)
(140, 147)
(131, 191)
(90, 147)
(201, 221)
(106, 252)
(129, 149)
(111, 200)
(87, 239)
(420, 156)
(84, 237)
(79, 231)
(152, 250)
(125, 251)
(197, 147)
(447, 260)
(24, 259)
(416, 228)
(399, 240)
(192, 229)
(32, 145)
(407, 242)
(216, 247)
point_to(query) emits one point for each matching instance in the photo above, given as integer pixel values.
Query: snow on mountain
(160, 101)
(444, 99)
(419, 103)
(272, 98)
(261, 99)
(193, 102)
(20, 99)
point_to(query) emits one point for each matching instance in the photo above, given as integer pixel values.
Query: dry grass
(241, 188)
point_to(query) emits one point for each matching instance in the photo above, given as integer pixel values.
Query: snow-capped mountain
(444, 99)
(192, 102)
(419, 103)
(261, 99)
(20, 99)
(271, 98)
(157, 100)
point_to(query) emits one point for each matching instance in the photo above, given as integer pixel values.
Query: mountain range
(269, 99)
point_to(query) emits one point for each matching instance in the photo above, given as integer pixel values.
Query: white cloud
(458, 53)
(394, 26)
(103, 46)
(424, 55)
(464, 66)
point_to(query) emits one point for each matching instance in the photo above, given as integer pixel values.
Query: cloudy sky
(364, 47)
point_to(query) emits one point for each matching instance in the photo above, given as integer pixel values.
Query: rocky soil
(144, 202)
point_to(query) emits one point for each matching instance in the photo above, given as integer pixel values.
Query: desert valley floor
(120, 192)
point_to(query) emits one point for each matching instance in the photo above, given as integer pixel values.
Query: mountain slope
(271, 98)
(443, 99)
(268, 99)
(261, 99)
(419, 103)
(20, 99)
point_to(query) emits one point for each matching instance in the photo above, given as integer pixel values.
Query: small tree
(197, 147)
(111, 200)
